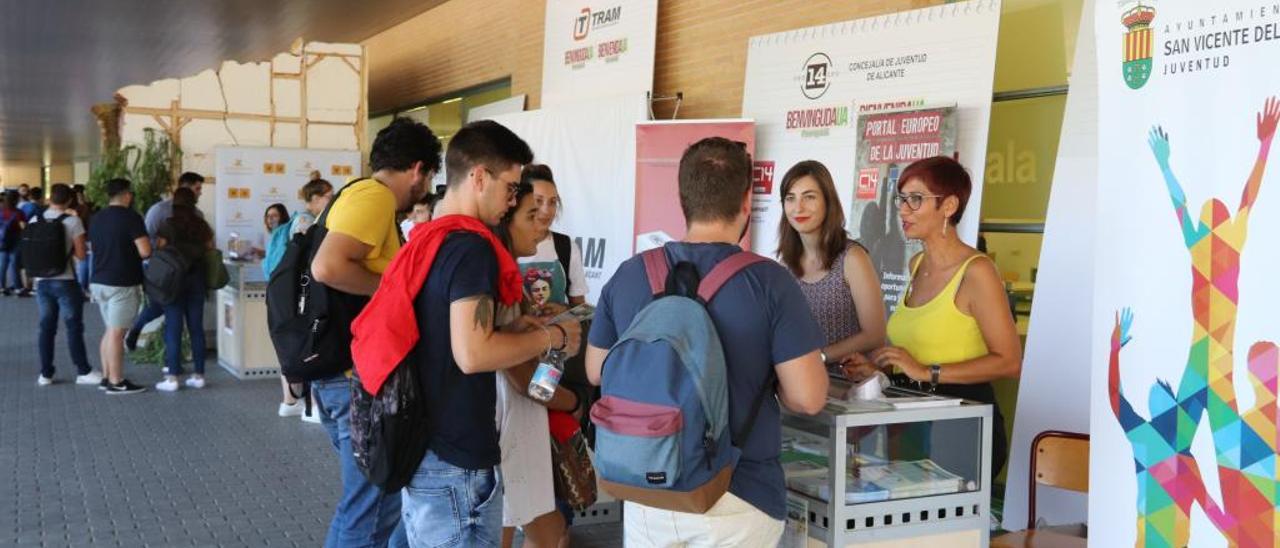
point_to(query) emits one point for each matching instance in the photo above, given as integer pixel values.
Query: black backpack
(310, 323)
(44, 247)
(390, 431)
(166, 270)
(564, 252)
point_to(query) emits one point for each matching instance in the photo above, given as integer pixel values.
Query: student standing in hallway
(157, 214)
(361, 241)
(119, 242)
(58, 294)
(12, 221)
(455, 497)
(186, 232)
(765, 330)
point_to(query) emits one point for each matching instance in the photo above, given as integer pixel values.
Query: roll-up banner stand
(659, 146)
(1184, 435)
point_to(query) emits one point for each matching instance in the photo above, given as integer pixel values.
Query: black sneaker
(131, 340)
(25, 293)
(125, 387)
(105, 384)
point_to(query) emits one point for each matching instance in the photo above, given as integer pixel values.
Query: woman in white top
(524, 435)
(557, 255)
(555, 276)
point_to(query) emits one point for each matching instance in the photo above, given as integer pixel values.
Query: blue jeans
(9, 278)
(188, 307)
(61, 298)
(83, 270)
(149, 314)
(365, 515)
(445, 505)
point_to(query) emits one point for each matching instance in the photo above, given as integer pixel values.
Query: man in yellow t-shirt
(361, 217)
(362, 235)
(362, 239)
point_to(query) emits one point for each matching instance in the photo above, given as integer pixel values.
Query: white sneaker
(195, 382)
(42, 380)
(290, 410)
(92, 378)
(314, 417)
(170, 384)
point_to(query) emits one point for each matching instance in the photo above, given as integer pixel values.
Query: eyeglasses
(513, 187)
(913, 201)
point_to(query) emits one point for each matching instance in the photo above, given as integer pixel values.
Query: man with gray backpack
(695, 345)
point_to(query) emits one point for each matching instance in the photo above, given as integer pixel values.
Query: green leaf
(149, 166)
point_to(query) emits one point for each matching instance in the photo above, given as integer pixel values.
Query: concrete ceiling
(60, 57)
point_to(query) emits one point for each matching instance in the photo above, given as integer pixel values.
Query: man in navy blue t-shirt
(763, 323)
(455, 498)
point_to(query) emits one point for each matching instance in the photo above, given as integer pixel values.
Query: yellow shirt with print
(366, 211)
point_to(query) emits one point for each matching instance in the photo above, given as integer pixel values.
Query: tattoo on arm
(484, 312)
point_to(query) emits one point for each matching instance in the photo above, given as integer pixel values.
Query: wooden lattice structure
(290, 102)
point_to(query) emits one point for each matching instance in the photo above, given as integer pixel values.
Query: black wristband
(564, 336)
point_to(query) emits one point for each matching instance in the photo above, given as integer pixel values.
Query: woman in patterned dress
(834, 272)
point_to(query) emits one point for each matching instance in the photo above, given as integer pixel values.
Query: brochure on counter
(875, 482)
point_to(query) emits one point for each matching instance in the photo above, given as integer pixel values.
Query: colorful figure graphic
(1244, 456)
(1168, 478)
(1245, 445)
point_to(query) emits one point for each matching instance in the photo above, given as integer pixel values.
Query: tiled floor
(212, 467)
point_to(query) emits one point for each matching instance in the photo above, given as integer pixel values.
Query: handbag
(216, 275)
(573, 474)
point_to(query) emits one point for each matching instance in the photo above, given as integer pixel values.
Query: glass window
(1034, 57)
(1022, 149)
(1037, 43)
(445, 115)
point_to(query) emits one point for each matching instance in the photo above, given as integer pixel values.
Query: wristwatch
(934, 371)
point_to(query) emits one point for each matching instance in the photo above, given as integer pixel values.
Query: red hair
(943, 176)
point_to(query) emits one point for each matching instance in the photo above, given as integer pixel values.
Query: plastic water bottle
(545, 380)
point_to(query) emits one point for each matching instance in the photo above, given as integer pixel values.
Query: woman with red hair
(953, 332)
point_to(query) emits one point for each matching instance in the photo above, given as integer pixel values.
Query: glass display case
(913, 465)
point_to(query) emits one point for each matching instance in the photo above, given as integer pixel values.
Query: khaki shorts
(731, 522)
(119, 305)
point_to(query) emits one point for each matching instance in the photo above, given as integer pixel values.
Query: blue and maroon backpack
(663, 437)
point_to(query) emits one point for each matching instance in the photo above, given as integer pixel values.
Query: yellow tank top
(937, 331)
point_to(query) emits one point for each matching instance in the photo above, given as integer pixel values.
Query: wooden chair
(1058, 459)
